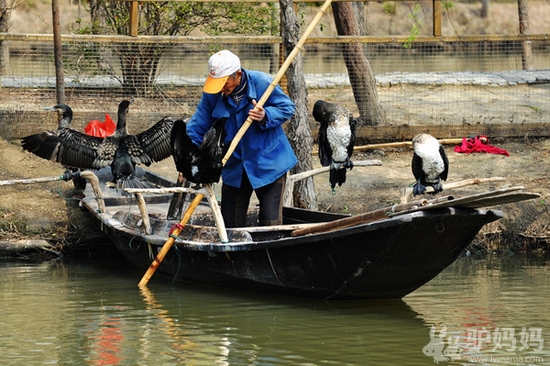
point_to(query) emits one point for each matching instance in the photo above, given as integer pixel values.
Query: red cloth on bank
(101, 129)
(478, 144)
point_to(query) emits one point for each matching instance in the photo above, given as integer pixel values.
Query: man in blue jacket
(263, 156)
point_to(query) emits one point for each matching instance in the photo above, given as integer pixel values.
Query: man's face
(232, 83)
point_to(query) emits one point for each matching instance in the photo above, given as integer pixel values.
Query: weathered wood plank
(269, 39)
(369, 134)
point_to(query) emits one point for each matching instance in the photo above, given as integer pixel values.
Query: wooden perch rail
(402, 143)
(407, 191)
(396, 144)
(11, 182)
(366, 217)
(486, 199)
(292, 179)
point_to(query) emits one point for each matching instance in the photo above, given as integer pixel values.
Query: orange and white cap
(220, 66)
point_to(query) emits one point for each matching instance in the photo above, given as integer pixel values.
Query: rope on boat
(130, 243)
(174, 227)
(59, 193)
(178, 252)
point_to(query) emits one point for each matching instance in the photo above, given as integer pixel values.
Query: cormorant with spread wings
(122, 151)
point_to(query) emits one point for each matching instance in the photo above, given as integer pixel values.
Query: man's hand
(258, 113)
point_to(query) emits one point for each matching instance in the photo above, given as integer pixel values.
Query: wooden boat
(387, 253)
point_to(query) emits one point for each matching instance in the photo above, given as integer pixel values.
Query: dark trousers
(235, 203)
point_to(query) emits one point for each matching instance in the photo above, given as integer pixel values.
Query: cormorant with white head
(430, 164)
(336, 139)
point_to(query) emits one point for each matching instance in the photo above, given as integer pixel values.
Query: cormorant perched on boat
(42, 147)
(122, 151)
(429, 164)
(336, 139)
(199, 164)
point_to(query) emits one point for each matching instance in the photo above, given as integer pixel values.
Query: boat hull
(388, 258)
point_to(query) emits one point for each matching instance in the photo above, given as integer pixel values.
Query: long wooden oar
(238, 137)
(171, 239)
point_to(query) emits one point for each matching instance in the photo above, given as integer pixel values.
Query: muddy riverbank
(50, 210)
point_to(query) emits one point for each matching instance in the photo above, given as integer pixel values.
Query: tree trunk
(484, 8)
(58, 55)
(4, 16)
(363, 82)
(526, 55)
(299, 132)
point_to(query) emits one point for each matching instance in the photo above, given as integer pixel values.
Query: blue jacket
(264, 151)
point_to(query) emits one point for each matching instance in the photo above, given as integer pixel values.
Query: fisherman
(263, 156)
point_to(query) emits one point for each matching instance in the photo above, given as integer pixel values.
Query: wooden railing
(269, 39)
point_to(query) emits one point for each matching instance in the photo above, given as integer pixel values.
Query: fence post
(134, 18)
(526, 55)
(437, 18)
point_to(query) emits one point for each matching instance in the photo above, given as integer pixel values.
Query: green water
(90, 313)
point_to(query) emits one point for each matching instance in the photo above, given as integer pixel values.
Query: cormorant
(199, 164)
(429, 163)
(122, 151)
(336, 139)
(43, 148)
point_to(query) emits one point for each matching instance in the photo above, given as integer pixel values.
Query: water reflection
(480, 300)
(94, 313)
(237, 329)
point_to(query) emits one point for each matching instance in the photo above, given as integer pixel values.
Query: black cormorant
(48, 144)
(336, 139)
(122, 151)
(199, 164)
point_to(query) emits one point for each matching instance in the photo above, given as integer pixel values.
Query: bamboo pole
(402, 143)
(171, 239)
(143, 211)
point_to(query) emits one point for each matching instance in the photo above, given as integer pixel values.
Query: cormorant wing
(213, 141)
(44, 144)
(66, 146)
(155, 141)
(78, 150)
(208, 161)
(417, 167)
(320, 115)
(182, 147)
(325, 152)
(353, 128)
(443, 175)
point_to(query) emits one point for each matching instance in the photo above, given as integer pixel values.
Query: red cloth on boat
(479, 144)
(101, 129)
